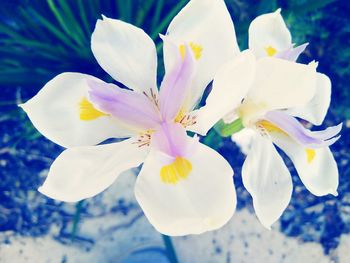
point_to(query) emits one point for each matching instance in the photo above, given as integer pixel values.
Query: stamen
(144, 138)
(153, 97)
(177, 170)
(185, 119)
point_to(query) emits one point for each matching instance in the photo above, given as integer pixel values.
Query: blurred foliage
(42, 38)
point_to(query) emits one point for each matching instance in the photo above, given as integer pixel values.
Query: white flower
(184, 187)
(266, 90)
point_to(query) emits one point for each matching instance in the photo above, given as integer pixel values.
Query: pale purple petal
(171, 139)
(292, 53)
(176, 84)
(328, 133)
(297, 131)
(130, 107)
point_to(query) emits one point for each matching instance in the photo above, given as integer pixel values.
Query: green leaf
(124, 10)
(74, 24)
(83, 14)
(157, 13)
(143, 11)
(166, 20)
(68, 22)
(52, 28)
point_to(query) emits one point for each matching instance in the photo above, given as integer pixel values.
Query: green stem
(76, 218)
(170, 249)
(226, 130)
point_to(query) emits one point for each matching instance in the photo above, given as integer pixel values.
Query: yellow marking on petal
(177, 170)
(87, 112)
(269, 127)
(310, 155)
(180, 115)
(270, 51)
(196, 49)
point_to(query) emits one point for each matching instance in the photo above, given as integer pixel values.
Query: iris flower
(266, 91)
(184, 187)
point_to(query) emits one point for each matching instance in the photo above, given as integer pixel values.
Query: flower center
(177, 170)
(144, 139)
(249, 112)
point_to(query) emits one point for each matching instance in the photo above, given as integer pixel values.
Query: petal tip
(42, 190)
(278, 11)
(267, 226)
(313, 64)
(22, 106)
(340, 126)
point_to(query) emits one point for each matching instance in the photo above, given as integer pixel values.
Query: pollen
(310, 155)
(177, 170)
(196, 49)
(270, 51)
(87, 112)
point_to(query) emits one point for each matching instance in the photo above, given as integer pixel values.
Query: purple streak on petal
(171, 139)
(128, 106)
(292, 53)
(296, 130)
(176, 83)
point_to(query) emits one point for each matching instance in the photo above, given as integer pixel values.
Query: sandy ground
(119, 237)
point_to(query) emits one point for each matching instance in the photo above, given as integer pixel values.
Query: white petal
(55, 112)
(268, 180)
(83, 172)
(316, 110)
(281, 84)
(206, 23)
(320, 175)
(244, 139)
(126, 53)
(230, 86)
(269, 30)
(203, 201)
